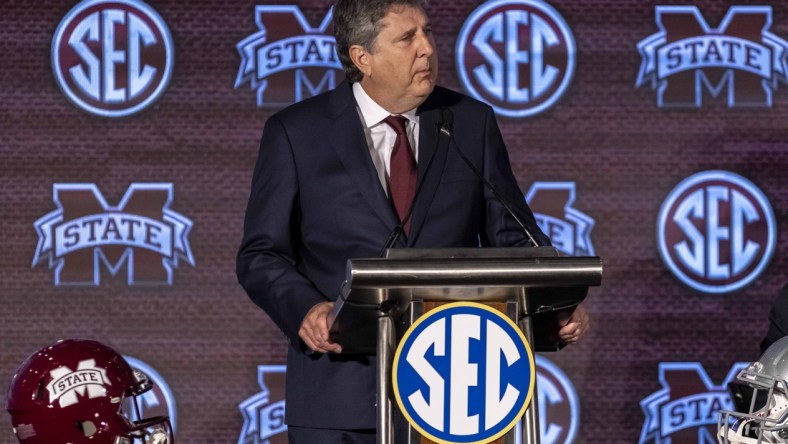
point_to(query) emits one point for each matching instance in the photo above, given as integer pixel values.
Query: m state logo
(158, 401)
(716, 231)
(66, 384)
(740, 61)
(86, 232)
(288, 60)
(463, 373)
(264, 413)
(568, 228)
(685, 409)
(516, 55)
(112, 57)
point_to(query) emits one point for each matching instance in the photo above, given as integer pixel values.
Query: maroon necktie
(402, 179)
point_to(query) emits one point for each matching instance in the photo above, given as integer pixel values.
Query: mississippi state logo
(264, 413)
(463, 373)
(516, 55)
(568, 228)
(87, 380)
(288, 60)
(112, 58)
(86, 233)
(158, 401)
(716, 232)
(740, 61)
(685, 409)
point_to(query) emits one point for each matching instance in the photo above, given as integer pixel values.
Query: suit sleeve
(268, 259)
(501, 229)
(778, 320)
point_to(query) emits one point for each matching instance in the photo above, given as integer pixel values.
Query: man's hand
(314, 329)
(575, 327)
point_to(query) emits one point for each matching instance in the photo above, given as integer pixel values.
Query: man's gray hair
(357, 22)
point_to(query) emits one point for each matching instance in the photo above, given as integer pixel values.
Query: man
(331, 183)
(778, 320)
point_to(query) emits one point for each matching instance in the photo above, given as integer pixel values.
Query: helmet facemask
(153, 430)
(767, 419)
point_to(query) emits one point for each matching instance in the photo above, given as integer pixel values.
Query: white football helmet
(766, 421)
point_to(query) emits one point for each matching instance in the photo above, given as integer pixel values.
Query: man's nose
(426, 45)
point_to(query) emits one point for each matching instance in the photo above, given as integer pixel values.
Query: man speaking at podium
(376, 162)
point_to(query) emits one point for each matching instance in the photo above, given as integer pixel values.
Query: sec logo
(112, 58)
(463, 373)
(516, 55)
(716, 231)
(559, 406)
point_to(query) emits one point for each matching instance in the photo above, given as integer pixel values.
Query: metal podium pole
(385, 357)
(530, 421)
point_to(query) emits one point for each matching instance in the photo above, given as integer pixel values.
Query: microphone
(392, 239)
(447, 119)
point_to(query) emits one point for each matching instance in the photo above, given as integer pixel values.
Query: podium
(381, 297)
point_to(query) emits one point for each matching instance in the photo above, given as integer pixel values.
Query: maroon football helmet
(72, 392)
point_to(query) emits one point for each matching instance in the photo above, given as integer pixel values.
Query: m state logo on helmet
(87, 379)
(73, 392)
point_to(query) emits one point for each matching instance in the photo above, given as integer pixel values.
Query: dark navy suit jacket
(778, 320)
(316, 201)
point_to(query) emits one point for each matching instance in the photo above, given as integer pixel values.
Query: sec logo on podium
(463, 373)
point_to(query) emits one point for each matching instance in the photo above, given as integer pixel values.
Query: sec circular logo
(463, 373)
(112, 57)
(716, 231)
(516, 55)
(559, 406)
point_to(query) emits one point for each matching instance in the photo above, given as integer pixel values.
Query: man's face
(402, 70)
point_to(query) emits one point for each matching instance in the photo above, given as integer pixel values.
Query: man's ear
(360, 58)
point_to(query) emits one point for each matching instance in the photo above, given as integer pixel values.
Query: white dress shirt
(380, 136)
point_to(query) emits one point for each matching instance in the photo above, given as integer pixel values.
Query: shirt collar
(373, 114)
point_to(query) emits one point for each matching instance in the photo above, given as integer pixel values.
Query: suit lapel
(347, 138)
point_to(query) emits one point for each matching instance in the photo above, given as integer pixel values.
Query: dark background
(203, 334)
